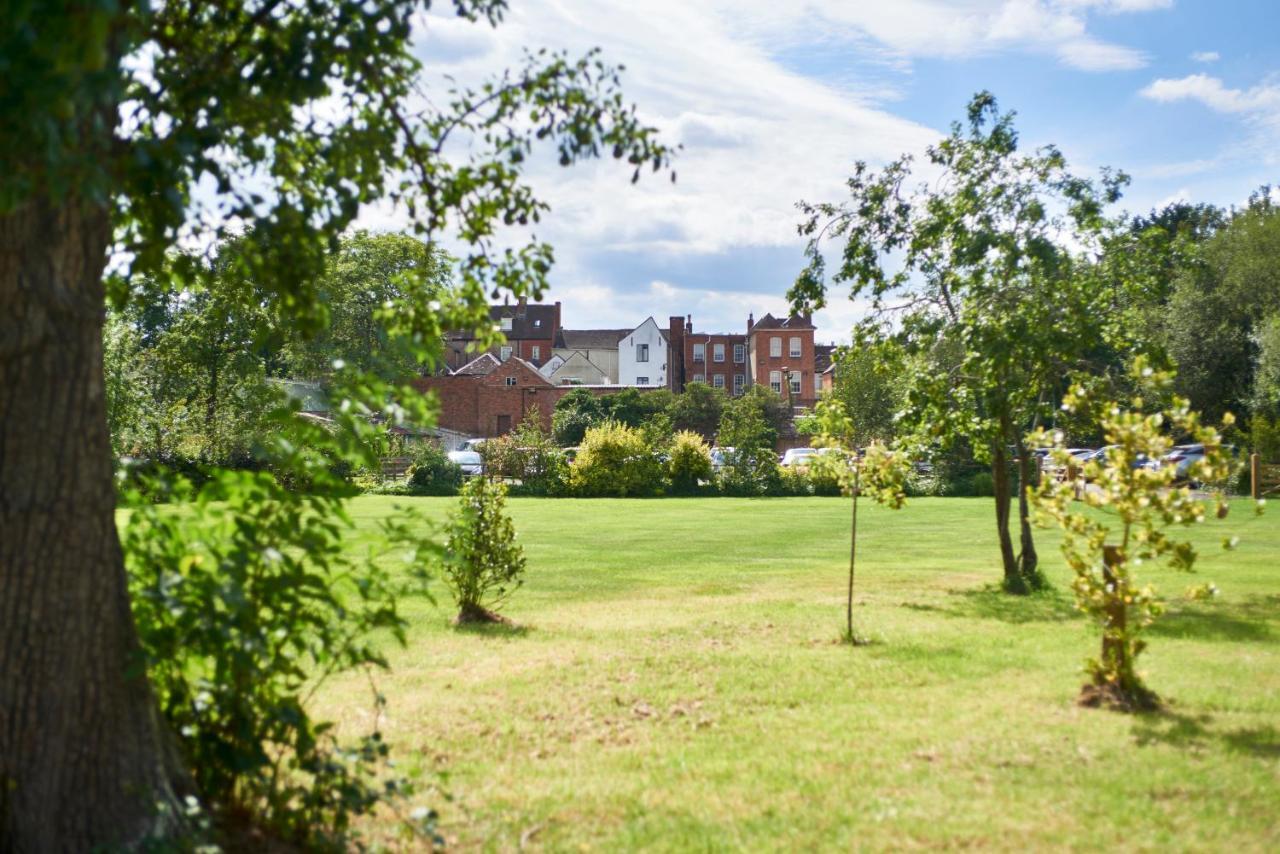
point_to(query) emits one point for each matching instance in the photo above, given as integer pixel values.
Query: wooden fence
(1264, 477)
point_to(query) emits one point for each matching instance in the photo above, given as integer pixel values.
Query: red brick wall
(764, 363)
(709, 367)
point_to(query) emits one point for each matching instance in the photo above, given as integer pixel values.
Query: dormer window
(537, 324)
(506, 324)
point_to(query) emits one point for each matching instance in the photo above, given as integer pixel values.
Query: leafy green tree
(1266, 374)
(483, 563)
(615, 460)
(361, 278)
(1115, 516)
(698, 408)
(574, 414)
(866, 385)
(983, 261)
(689, 464)
(289, 118)
(751, 468)
(1220, 306)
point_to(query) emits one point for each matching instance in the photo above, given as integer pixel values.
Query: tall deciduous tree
(985, 261)
(288, 117)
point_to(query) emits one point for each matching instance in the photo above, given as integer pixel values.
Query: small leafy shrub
(614, 460)
(483, 563)
(794, 480)
(689, 464)
(823, 480)
(751, 471)
(432, 472)
(1132, 507)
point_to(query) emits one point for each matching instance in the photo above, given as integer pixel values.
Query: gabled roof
(481, 366)
(590, 339)
(822, 357)
(795, 321)
(527, 321)
(662, 333)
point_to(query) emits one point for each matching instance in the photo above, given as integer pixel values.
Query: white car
(799, 456)
(719, 456)
(469, 461)
(1182, 458)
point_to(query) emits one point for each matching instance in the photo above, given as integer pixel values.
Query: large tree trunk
(1028, 476)
(85, 761)
(1000, 486)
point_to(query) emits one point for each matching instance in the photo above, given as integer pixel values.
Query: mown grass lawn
(676, 686)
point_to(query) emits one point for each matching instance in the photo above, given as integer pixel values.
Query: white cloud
(1205, 56)
(1211, 92)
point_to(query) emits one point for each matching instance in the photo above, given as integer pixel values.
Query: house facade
(530, 330)
(780, 354)
(643, 356)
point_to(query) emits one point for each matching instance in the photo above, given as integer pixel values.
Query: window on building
(699, 378)
(535, 352)
(795, 383)
(795, 348)
(775, 347)
(537, 324)
(642, 380)
(717, 380)
(717, 352)
(642, 352)
(739, 383)
(817, 383)
(511, 381)
(739, 353)
(506, 324)
(775, 379)
(504, 353)
(699, 352)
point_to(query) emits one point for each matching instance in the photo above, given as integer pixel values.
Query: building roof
(527, 321)
(822, 357)
(481, 366)
(590, 339)
(795, 321)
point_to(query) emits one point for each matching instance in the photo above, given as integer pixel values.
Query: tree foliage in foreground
(983, 286)
(1115, 515)
(130, 129)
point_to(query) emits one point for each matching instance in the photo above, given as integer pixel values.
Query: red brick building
(530, 330)
(718, 359)
(782, 351)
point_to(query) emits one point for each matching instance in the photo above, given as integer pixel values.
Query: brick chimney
(675, 362)
(522, 307)
(688, 324)
(751, 321)
(555, 322)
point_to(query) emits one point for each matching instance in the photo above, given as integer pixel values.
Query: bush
(432, 472)
(794, 480)
(483, 564)
(614, 460)
(529, 456)
(690, 463)
(751, 471)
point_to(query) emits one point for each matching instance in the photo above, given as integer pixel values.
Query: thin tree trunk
(85, 761)
(853, 546)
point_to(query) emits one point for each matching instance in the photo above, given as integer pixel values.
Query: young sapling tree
(483, 563)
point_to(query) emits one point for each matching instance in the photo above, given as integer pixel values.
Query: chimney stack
(688, 325)
(751, 321)
(675, 361)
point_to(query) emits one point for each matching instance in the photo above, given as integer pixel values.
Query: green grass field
(675, 684)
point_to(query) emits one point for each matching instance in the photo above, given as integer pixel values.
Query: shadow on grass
(1239, 621)
(992, 603)
(1196, 732)
(492, 630)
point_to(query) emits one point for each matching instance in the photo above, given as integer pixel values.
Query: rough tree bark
(1028, 475)
(85, 761)
(1000, 488)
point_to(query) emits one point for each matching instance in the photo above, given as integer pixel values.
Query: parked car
(1100, 455)
(1182, 458)
(719, 456)
(471, 445)
(469, 461)
(799, 456)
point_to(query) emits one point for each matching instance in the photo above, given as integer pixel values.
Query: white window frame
(739, 353)
(717, 352)
(510, 381)
(535, 352)
(699, 378)
(504, 353)
(717, 380)
(775, 379)
(817, 383)
(642, 380)
(775, 347)
(795, 348)
(642, 352)
(700, 352)
(506, 324)
(797, 382)
(739, 383)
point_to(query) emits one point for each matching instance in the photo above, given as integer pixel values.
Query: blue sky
(773, 102)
